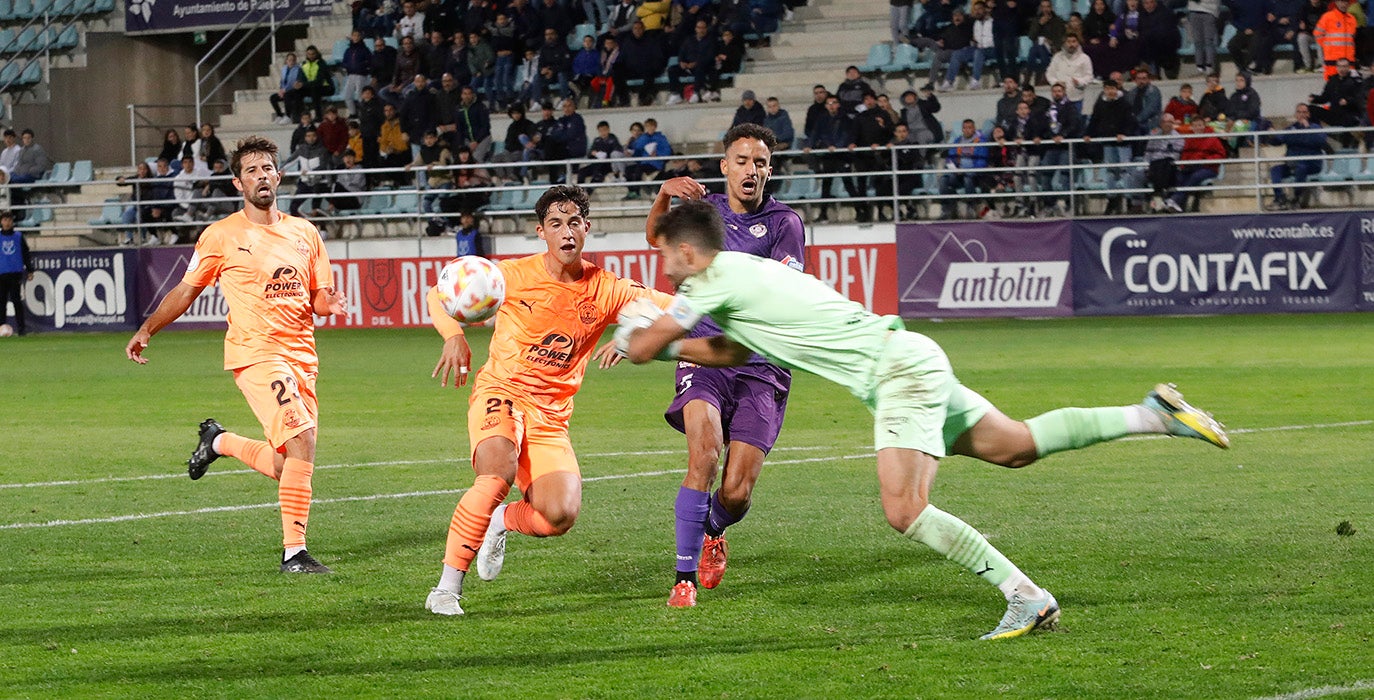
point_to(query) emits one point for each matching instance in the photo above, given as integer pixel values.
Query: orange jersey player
(274, 272)
(557, 305)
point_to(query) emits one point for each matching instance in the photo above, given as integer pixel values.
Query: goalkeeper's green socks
(965, 546)
(1072, 428)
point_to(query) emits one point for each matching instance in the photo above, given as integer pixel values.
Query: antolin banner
(981, 268)
(1215, 264)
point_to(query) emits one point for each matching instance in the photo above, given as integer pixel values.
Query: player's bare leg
(905, 478)
(743, 465)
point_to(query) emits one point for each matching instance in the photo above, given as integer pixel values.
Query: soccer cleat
(442, 602)
(684, 595)
(712, 566)
(303, 563)
(1184, 420)
(1025, 615)
(492, 555)
(204, 453)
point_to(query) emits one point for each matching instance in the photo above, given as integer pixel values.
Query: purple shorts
(751, 399)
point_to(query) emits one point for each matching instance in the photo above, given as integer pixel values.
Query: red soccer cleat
(684, 595)
(712, 566)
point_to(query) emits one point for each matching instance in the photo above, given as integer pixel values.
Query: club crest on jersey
(292, 419)
(759, 230)
(586, 312)
(302, 248)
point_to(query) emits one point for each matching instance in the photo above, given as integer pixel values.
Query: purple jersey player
(737, 410)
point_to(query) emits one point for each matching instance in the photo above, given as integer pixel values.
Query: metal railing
(913, 193)
(232, 49)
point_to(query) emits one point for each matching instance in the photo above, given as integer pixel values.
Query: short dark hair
(563, 193)
(749, 130)
(695, 222)
(6, 214)
(26, 131)
(602, 123)
(249, 145)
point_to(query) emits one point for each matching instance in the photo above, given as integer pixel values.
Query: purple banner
(1215, 264)
(161, 269)
(150, 16)
(961, 269)
(1365, 224)
(81, 290)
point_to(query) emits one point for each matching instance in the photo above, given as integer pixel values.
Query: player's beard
(262, 198)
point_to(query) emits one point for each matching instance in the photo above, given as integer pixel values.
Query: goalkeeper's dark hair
(251, 144)
(750, 130)
(563, 193)
(694, 222)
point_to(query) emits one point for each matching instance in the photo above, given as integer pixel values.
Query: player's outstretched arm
(456, 356)
(170, 309)
(715, 351)
(681, 187)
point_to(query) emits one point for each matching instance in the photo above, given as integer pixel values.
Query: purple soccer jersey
(751, 399)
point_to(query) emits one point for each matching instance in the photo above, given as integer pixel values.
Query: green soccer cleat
(1183, 419)
(1025, 615)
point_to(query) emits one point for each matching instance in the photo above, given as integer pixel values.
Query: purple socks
(691, 508)
(720, 518)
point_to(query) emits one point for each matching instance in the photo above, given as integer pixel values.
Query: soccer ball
(6, 330)
(471, 289)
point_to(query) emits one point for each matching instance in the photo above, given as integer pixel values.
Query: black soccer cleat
(204, 453)
(303, 563)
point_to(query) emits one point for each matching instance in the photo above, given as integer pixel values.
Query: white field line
(400, 462)
(376, 497)
(1323, 691)
(411, 494)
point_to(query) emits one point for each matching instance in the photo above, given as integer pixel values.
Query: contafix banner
(151, 16)
(984, 268)
(1216, 264)
(82, 290)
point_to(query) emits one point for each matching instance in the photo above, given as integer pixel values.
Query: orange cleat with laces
(684, 595)
(712, 566)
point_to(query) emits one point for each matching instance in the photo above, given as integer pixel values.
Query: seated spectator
(289, 99)
(1160, 39)
(1182, 107)
(436, 55)
(1252, 33)
(410, 62)
(643, 59)
(968, 151)
(1006, 104)
(521, 134)
(149, 203)
(307, 122)
(851, 92)
(606, 149)
(777, 120)
(333, 135)
(433, 174)
(467, 177)
(218, 185)
(473, 125)
(1145, 100)
(318, 80)
(30, 165)
(309, 157)
(348, 187)
(586, 65)
(550, 140)
(650, 148)
(210, 147)
(1003, 154)
(749, 110)
(606, 80)
(1046, 32)
(1038, 103)
(885, 104)
(411, 24)
(482, 67)
(554, 64)
(923, 128)
(382, 66)
(1341, 101)
(447, 101)
(526, 81)
(955, 41)
(978, 53)
(1161, 159)
(730, 52)
(1308, 57)
(1214, 102)
(186, 177)
(1284, 18)
(171, 149)
(9, 156)
(1009, 19)
(696, 58)
(1197, 165)
(393, 145)
(1243, 108)
(1124, 40)
(1304, 147)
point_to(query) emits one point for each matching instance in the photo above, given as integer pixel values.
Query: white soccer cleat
(442, 602)
(1026, 615)
(492, 554)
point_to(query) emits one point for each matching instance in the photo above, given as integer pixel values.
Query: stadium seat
(39, 8)
(575, 36)
(1342, 166)
(68, 39)
(6, 10)
(23, 9)
(403, 203)
(63, 8)
(375, 203)
(504, 199)
(1367, 173)
(35, 217)
(879, 56)
(7, 40)
(32, 73)
(1227, 35)
(82, 171)
(905, 59)
(27, 41)
(61, 173)
(1063, 8)
(111, 213)
(9, 73)
(336, 54)
(103, 6)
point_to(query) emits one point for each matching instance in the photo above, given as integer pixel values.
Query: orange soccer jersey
(266, 273)
(547, 330)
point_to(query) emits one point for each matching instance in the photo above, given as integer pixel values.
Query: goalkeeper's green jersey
(790, 317)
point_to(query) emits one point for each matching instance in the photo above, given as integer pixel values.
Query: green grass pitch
(1183, 570)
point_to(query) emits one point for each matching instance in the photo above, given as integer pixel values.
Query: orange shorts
(282, 396)
(541, 442)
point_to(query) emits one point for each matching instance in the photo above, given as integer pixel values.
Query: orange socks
(521, 517)
(471, 518)
(294, 494)
(255, 453)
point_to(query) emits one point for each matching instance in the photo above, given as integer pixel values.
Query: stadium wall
(1307, 262)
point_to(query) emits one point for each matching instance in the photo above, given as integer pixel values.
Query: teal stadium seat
(8, 40)
(336, 54)
(7, 11)
(82, 171)
(112, 212)
(879, 55)
(32, 73)
(61, 173)
(1342, 166)
(23, 9)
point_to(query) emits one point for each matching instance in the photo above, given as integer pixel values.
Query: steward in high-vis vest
(1335, 32)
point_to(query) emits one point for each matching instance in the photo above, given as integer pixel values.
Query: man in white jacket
(1072, 67)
